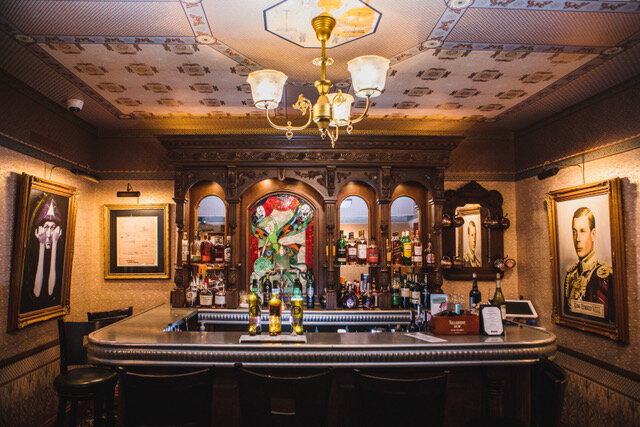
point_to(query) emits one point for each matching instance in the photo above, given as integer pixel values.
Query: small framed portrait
(587, 252)
(469, 236)
(42, 251)
(136, 241)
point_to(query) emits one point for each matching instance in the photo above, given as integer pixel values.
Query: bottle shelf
(207, 265)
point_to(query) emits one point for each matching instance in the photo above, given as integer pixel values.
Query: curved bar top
(145, 339)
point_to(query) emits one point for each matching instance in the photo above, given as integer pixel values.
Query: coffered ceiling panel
(544, 27)
(182, 64)
(98, 18)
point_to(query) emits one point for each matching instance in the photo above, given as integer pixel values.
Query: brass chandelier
(332, 110)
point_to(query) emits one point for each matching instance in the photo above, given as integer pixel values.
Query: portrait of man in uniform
(469, 235)
(470, 256)
(587, 258)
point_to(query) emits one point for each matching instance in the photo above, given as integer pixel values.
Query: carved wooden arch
(419, 194)
(196, 194)
(369, 195)
(297, 188)
(369, 176)
(185, 179)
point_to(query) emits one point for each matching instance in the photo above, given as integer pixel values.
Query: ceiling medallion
(23, 38)
(459, 4)
(431, 44)
(331, 110)
(613, 50)
(205, 39)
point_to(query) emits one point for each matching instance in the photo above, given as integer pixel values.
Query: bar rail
(148, 338)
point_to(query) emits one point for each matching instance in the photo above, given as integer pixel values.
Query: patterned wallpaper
(464, 60)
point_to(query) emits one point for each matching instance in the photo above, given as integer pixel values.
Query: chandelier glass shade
(332, 110)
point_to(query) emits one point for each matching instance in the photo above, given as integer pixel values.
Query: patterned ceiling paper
(465, 84)
(544, 27)
(97, 18)
(240, 24)
(159, 80)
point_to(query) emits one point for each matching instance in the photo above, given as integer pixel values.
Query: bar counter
(153, 338)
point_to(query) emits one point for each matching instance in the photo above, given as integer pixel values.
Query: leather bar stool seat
(84, 380)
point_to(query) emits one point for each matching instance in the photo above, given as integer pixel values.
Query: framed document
(491, 320)
(136, 241)
(42, 251)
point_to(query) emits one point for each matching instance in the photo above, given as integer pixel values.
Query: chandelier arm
(288, 127)
(333, 137)
(362, 116)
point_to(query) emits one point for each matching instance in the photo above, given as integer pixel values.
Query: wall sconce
(86, 175)
(129, 192)
(548, 173)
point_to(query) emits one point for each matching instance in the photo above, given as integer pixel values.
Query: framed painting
(587, 253)
(42, 251)
(469, 236)
(136, 241)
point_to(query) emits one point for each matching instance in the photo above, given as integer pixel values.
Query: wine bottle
(498, 298)
(405, 293)
(275, 312)
(413, 327)
(475, 297)
(341, 251)
(255, 313)
(362, 249)
(425, 296)
(415, 292)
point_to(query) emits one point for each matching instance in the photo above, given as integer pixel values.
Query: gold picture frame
(587, 256)
(136, 241)
(42, 251)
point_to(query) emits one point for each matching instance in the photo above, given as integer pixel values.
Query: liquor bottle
(374, 293)
(311, 291)
(191, 296)
(350, 299)
(373, 254)
(341, 251)
(498, 298)
(275, 313)
(297, 285)
(218, 251)
(395, 290)
(227, 251)
(205, 251)
(388, 252)
(475, 297)
(296, 310)
(417, 250)
(195, 250)
(425, 296)
(362, 249)
(407, 249)
(352, 250)
(413, 327)
(255, 313)
(266, 290)
(405, 294)
(415, 292)
(429, 256)
(396, 249)
(220, 300)
(206, 296)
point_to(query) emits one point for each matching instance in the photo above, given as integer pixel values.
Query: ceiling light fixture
(331, 110)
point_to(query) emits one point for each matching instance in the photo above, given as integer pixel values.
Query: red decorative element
(309, 243)
(253, 251)
(281, 203)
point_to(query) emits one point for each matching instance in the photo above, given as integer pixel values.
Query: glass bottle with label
(413, 326)
(341, 251)
(206, 296)
(415, 292)
(311, 291)
(266, 290)
(227, 251)
(374, 293)
(191, 296)
(396, 249)
(373, 254)
(350, 299)
(352, 250)
(417, 250)
(275, 312)
(218, 251)
(195, 250)
(255, 313)
(405, 293)
(498, 298)
(296, 310)
(475, 297)
(185, 249)
(205, 251)
(220, 300)
(429, 255)
(425, 295)
(407, 249)
(362, 249)
(388, 253)
(395, 290)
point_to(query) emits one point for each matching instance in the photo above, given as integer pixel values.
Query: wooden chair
(268, 400)
(400, 401)
(167, 400)
(109, 317)
(82, 383)
(549, 382)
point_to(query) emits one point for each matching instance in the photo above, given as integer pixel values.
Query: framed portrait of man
(42, 251)
(469, 236)
(587, 252)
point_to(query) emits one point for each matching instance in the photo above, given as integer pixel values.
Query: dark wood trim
(600, 363)
(27, 353)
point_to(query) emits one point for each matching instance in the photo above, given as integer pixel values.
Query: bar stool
(395, 401)
(84, 383)
(183, 399)
(268, 400)
(109, 317)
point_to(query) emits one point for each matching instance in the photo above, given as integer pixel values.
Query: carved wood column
(331, 279)
(383, 279)
(436, 203)
(234, 269)
(178, 294)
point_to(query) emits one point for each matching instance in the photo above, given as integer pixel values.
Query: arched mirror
(405, 222)
(211, 215)
(354, 229)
